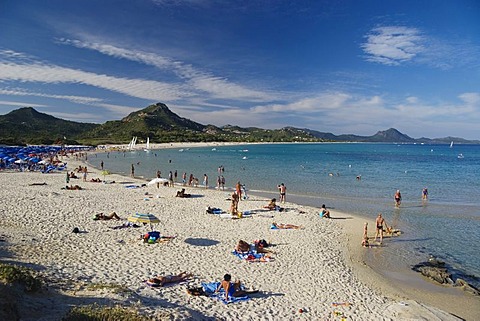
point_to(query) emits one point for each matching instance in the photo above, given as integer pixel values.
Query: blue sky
(346, 67)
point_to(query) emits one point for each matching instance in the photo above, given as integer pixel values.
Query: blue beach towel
(250, 255)
(210, 288)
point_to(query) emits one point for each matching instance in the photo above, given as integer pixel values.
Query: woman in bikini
(162, 280)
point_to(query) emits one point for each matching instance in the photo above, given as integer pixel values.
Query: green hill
(28, 126)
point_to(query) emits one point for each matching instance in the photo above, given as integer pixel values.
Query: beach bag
(76, 230)
(196, 291)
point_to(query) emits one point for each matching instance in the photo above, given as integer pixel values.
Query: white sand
(310, 269)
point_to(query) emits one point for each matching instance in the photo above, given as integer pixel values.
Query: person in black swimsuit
(380, 222)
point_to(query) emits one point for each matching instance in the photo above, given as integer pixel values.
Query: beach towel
(251, 256)
(210, 288)
(132, 186)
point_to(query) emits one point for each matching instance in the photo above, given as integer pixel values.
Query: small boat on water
(460, 156)
(147, 146)
(451, 144)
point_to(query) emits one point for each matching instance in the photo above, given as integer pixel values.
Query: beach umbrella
(158, 181)
(105, 173)
(143, 218)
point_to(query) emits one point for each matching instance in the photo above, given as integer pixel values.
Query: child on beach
(365, 235)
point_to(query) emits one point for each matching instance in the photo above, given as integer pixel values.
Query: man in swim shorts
(380, 222)
(283, 191)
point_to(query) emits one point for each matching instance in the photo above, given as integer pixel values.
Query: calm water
(447, 226)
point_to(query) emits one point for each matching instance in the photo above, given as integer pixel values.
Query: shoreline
(185, 222)
(405, 284)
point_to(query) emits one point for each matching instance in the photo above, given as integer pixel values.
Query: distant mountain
(160, 124)
(390, 135)
(156, 121)
(28, 126)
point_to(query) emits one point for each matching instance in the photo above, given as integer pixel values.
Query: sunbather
(162, 280)
(72, 187)
(232, 288)
(286, 226)
(103, 217)
(182, 194)
(272, 205)
(244, 247)
(324, 212)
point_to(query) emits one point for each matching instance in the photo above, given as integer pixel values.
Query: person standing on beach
(170, 179)
(101, 165)
(85, 174)
(132, 171)
(159, 175)
(184, 178)
(222, 182)
(238, 190)
(379, 223)
(175, 175)
(283, 192)
(205, 180)
(398, 198)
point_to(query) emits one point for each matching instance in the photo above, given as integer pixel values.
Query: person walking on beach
(101, 165)
(398, 198)
(283, 191)
(380, 223)
(132, 171)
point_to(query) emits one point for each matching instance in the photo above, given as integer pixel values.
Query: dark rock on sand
(437, 271)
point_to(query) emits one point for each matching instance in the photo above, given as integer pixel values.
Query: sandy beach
(312, 268)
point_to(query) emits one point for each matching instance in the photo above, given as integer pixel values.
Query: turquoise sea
(446, 226)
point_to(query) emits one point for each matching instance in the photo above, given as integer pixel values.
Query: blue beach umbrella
(143, 218)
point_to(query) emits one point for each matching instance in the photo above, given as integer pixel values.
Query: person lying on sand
(73, 187)
(95, 180)
(37, 184)
(286, 226)
(258, 246)
(162, 280)
(103, 217)
(232, 289)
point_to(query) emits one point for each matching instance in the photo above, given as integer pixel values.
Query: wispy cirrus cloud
(393, 45)
(19, 104)
(72, 98)
(52, 74)
(196, 80)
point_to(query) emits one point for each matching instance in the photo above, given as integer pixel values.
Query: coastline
(345, 242)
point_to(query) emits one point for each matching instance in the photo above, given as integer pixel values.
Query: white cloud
(470, 98)
(75, 99)
(196, 80)
(393, 45)
(145, 89)
(19, 104)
